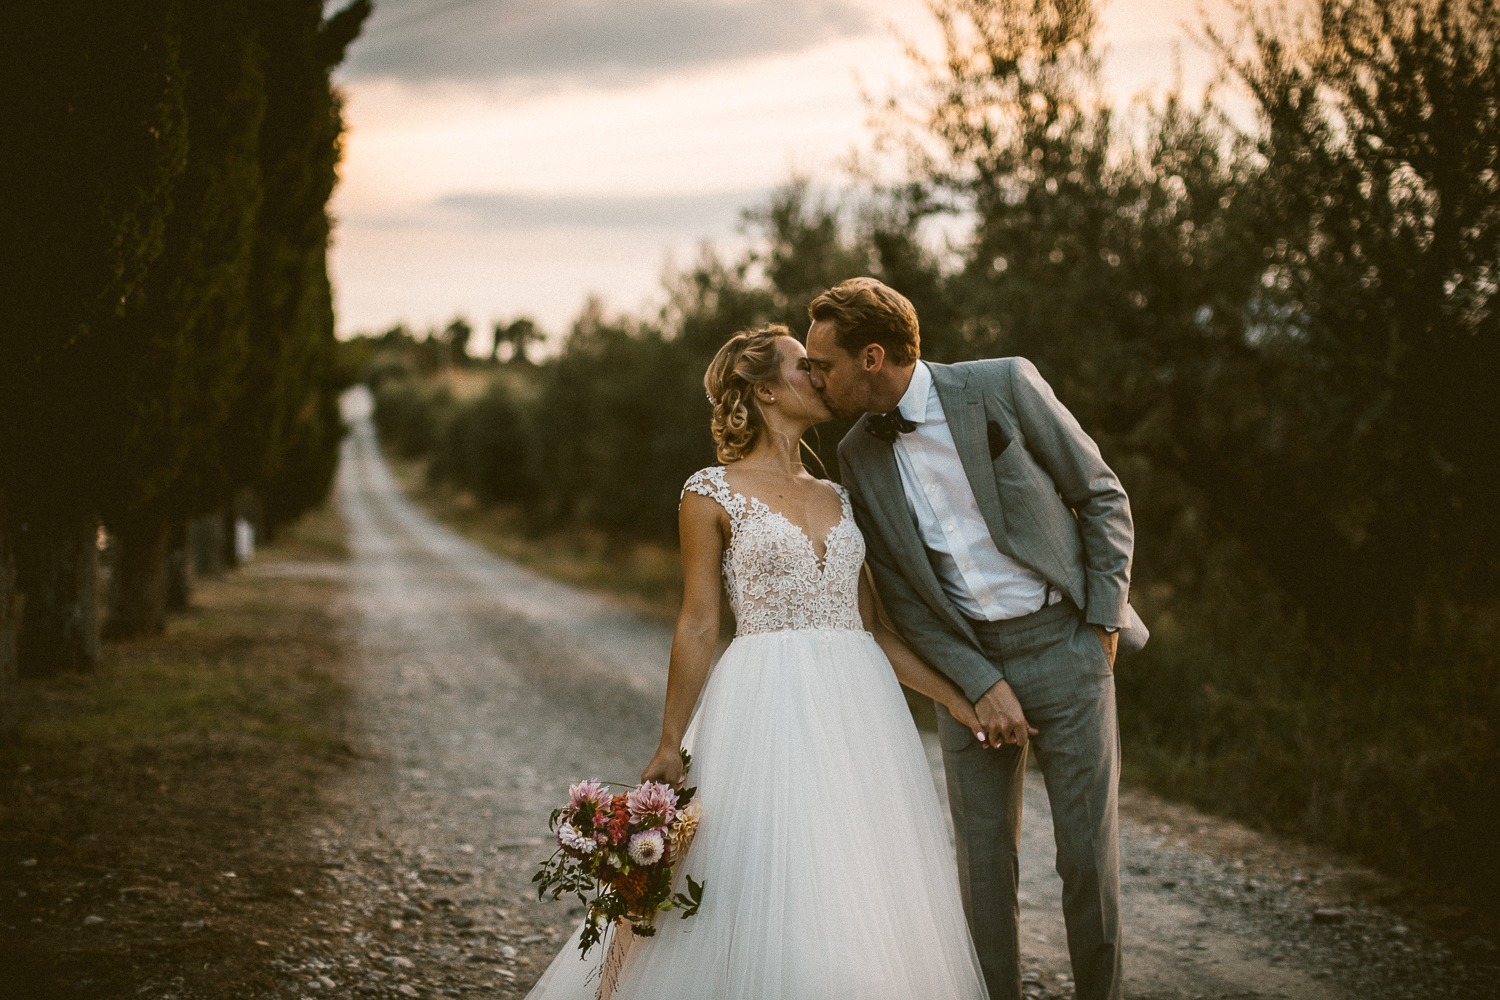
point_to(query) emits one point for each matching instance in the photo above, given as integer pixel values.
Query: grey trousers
(1056, 665)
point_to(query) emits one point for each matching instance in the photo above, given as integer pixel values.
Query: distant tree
(457, 335)
(621, 424)
(390, 357)
(1013, 132)
(397, 337)
(519, 334)
(805, 249)
(711, 301)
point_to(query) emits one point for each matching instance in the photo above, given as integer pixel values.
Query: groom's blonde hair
(866, 311)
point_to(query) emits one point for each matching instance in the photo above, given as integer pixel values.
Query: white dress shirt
(983, 582)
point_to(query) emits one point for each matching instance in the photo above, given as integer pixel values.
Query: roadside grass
(149, 702)
(128, 797)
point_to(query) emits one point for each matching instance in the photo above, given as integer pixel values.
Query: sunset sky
(510, 157)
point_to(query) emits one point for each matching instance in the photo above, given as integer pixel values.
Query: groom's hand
(1001, 718)
(1111, 642)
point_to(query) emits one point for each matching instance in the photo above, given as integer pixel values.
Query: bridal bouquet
(621, 849)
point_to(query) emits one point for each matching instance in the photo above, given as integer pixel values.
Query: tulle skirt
(826, 863)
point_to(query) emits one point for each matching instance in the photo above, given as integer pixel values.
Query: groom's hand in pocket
(1001, 718)
(1110, 641)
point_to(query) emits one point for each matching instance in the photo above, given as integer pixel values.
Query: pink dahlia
(589, 791)
(654, 804)
(647, 848)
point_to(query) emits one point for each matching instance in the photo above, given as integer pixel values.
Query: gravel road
(485, 689)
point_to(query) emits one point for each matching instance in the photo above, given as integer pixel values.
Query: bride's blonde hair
(750, 358)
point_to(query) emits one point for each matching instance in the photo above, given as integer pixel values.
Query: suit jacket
(1047, 497)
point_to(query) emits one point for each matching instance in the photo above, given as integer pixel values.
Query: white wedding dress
(823, 853)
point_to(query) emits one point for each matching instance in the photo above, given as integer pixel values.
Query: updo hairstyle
(749, 358)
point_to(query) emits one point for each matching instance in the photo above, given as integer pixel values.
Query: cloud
(553, 40)
(699, 214)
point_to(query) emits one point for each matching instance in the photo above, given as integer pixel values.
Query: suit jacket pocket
(997, 438)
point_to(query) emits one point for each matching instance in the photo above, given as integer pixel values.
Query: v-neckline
(820, 563)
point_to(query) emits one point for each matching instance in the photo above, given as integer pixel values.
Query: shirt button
(968, 565)
(932, 489)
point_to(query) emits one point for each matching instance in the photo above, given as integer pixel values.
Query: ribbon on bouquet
(620, 941)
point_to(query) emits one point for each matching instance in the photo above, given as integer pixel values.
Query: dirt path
(485, 689)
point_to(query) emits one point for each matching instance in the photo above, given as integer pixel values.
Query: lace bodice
(771, 569)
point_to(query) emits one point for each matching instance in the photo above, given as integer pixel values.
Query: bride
(824, 855)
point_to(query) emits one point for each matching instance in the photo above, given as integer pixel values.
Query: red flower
(619, 823)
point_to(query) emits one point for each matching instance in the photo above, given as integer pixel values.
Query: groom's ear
(873, 358)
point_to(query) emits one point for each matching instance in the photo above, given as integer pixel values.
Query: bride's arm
(702, 525)
(912, 670)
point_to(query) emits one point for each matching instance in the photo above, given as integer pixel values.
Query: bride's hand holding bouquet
(666, 766)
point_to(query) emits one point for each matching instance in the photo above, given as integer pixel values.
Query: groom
(1001, 547)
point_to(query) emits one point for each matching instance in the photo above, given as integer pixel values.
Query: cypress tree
(11, 602)
(93, 91)
(196, 296)
(284, 431)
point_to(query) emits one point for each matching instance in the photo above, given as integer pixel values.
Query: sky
(513, 157)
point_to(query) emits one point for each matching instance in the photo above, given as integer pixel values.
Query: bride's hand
(665, 766)
(963, 711)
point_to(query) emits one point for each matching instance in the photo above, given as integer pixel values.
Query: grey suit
(1051, 503)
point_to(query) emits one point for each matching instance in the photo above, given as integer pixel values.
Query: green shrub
(487, 447)
(409, 415)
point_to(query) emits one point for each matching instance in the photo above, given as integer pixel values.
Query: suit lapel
(888, 497)
(964, 408)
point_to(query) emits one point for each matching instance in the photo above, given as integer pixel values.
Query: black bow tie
(886, 426)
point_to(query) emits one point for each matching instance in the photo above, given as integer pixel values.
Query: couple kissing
(999, 544)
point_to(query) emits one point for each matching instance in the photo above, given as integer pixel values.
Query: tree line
(1282, 332)
(167, 351)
